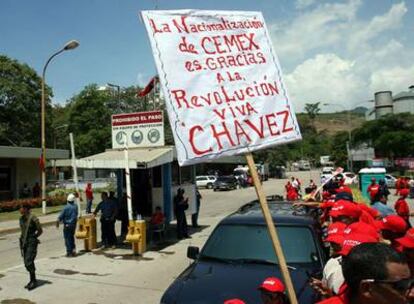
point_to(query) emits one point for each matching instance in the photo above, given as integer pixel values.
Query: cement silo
(404, 101)
(383, 103)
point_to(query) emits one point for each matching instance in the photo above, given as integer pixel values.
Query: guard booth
(365, 176)
(155, 177)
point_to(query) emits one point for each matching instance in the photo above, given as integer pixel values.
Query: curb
(17, 229)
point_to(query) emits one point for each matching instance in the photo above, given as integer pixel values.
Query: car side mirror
(192, 252)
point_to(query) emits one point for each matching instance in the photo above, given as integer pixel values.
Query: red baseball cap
(393, 223)
(344, 188)
(362, 228)
(354, 239)
(407, 241)
(234, 301)
(404, 192)
(273, 285)
(345, 208)
(335, 233)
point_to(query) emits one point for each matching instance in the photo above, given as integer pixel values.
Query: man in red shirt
(374, 274)
(401, 206)
(345, 212)
(373, 190)
(157, 217)
(89, 197)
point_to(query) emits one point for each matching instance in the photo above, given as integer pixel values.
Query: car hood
(214, 282)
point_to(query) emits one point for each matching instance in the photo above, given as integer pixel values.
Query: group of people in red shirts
(293, 189)
(403, 182)
(371, 255)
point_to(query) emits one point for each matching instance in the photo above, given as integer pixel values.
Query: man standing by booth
(69, 216)
(108, 209)
(180, 205)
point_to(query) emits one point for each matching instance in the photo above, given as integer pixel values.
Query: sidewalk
(104, 276)
(13, 225)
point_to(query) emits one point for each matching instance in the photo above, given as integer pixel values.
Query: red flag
(148, 88)
(41, 163)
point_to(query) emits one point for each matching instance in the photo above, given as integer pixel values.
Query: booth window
(5, 179)
(157, 177)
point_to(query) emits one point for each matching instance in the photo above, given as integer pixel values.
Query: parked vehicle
(239, 255)
(350, 178)
(225, 183)
(390, 180)
(205, 181)
(326, 173)
(304, 165)
(263, 170)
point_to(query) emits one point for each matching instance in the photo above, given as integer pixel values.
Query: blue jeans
(69, 235)
(89, 206)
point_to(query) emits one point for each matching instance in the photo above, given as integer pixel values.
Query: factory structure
(386, 103)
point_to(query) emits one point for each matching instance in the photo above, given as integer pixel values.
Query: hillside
(333, 123)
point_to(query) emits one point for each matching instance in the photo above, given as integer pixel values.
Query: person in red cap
(345, 212)
(374, 274)
(332, 272)
(392, 227)
(272, 291)
(407, 246)
(401, 206)
(373, 190)
(234, 301)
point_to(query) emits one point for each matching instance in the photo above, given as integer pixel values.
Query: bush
(14, 205)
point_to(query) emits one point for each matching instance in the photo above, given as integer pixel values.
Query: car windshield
(252, 242)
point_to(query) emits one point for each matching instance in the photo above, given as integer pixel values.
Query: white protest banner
(222, 83)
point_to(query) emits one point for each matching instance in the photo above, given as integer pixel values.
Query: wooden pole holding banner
(75, 174)
(272, 230)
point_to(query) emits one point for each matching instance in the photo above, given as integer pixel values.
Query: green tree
(312, 109)
(89, 119)
(339, 152)
(390, 136)
(20, 101)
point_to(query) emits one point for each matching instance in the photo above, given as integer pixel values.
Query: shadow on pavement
(17, 301)
(159, 243)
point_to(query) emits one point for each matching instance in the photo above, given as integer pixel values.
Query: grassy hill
(332, 123)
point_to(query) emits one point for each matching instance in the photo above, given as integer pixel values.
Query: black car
(225, 183)
(239, 255)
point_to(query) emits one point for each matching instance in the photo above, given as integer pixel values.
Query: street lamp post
(348, 148)
(68, 46)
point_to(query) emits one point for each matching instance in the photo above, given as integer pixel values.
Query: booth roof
(372, 170)
(31, 153)
(139, 158)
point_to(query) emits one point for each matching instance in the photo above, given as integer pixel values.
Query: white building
(20, 165)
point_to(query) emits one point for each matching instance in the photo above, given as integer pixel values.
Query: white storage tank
(383, 103)
(404, 101)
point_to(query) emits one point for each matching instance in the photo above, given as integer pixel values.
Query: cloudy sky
(338, 52)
